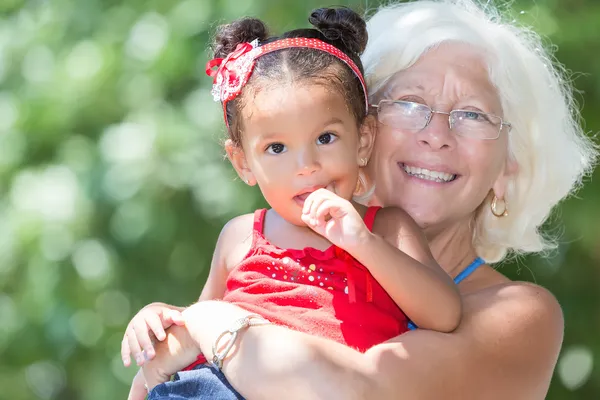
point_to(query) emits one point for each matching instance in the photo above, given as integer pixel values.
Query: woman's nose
(437, 134)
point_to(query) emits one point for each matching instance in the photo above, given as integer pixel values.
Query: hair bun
(342, 27)
(242, 30)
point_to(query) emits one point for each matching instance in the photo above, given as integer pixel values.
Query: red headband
(234, 70)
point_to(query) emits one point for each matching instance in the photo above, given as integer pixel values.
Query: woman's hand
(138, 389)
(150, 320)
(173, 354)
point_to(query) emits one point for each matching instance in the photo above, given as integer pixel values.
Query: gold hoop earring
(494, 207)
(361, 185)
(363, 162)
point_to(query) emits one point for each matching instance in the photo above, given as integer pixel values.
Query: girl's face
(297, 138)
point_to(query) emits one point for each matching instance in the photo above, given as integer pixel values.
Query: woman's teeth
(426, 174)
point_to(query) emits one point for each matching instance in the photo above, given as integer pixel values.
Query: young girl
(296, 111)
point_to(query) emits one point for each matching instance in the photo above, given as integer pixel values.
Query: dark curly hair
(340, 27)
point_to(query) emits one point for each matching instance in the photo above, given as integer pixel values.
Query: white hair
(551, 150)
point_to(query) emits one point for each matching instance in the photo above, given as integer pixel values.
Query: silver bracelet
(233, 332)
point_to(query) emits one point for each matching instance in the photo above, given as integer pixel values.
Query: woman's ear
(509, 171)
(367, 132)
(236, 156)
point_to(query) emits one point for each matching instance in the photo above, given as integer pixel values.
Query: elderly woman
(472, 118)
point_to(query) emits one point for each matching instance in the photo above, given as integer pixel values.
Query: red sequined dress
(325, 293)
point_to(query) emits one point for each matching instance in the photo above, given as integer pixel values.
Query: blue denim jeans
(203, 382)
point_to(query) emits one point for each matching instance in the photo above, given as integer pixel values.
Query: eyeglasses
(416, 116)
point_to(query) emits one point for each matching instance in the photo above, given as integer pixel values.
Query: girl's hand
(154, 318)
(334, 218)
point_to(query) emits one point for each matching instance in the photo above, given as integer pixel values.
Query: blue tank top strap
(459, 278)
(469, 270)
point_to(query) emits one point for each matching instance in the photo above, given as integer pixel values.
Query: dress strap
(370, 216)
(369, 219)
(469, 270)
(259, 220)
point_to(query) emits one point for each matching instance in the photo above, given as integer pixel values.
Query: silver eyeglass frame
(503, 124)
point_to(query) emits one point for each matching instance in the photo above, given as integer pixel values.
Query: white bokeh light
(128, 142)
(92, 260)
(575, 366)
(84, 61)
(130, 221)
(46, 379)
(56, 242)
(8, 242)
(140, 91)
(191, 17)
(51, 193)
(214, 189)
(3, 64)
(123, 181)
(204, 112)
(87, 327)
(9, 111)
(234, 8)
(38, 65)
(148, 37)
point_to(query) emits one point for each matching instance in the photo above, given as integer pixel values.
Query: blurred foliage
(114, 186)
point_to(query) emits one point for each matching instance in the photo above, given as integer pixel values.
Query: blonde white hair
(551, 150)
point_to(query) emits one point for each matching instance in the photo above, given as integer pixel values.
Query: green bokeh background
(114, 187)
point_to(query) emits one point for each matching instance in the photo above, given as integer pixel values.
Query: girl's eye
(326, 138)
(276, 148)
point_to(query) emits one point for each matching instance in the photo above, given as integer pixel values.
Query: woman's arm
(505, 348)
(176, 352)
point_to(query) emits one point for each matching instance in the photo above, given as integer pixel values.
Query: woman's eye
(276, 148)
(326, 138)
(474, 115)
